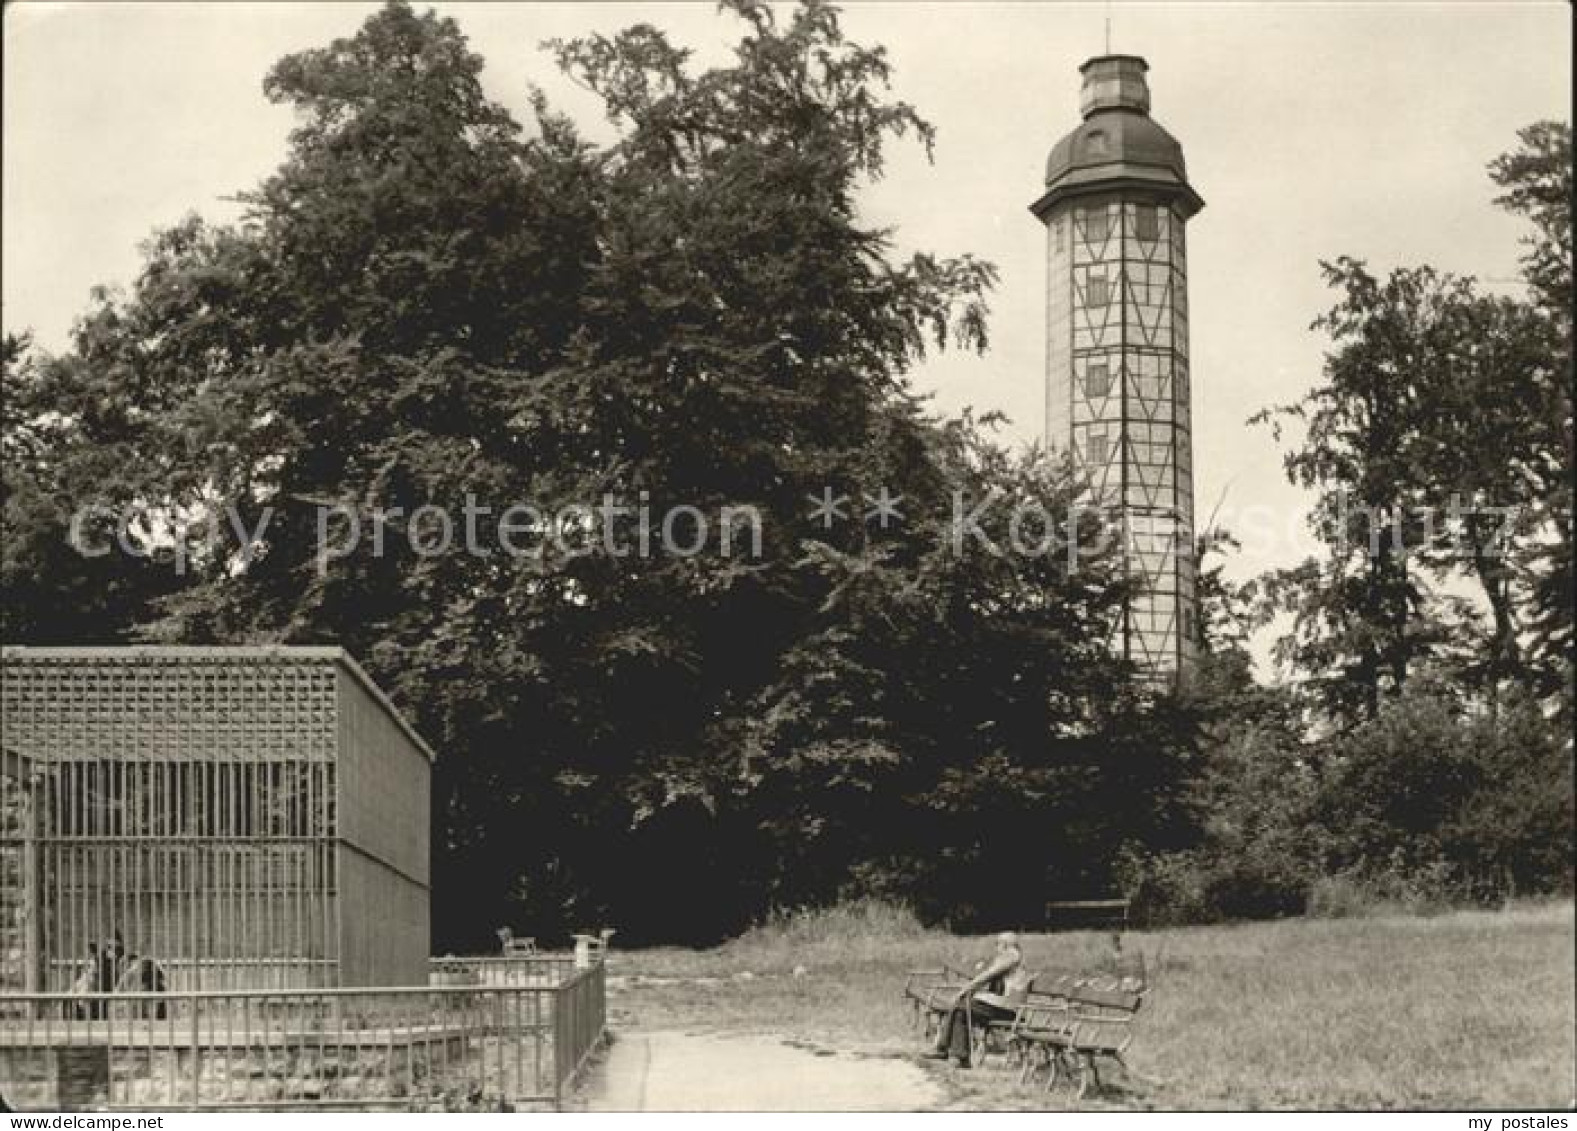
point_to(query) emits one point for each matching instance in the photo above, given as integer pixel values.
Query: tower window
(1147, 222)
(1056, 234)
(1095, 291)
(1095, 448)
(1095, 227)
(1097, 380)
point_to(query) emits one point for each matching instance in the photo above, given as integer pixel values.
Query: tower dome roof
(1118, 145)
(1115, 136)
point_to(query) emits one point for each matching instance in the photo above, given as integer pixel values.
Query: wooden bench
(1044, 1016)
(996, 1036)
(1069, 914)
(1126, 972)
(1048, 998)
(1077, 1031)
(931, 993)
(511, 945)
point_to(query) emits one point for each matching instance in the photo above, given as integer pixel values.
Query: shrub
(1207, 885)
(1428, 805)
(1393, 891)
(853, 929)
(1430, 802)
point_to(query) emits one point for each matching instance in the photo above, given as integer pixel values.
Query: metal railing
(214, 974)
(534, 970)
(491, 1045)
(580, 1012)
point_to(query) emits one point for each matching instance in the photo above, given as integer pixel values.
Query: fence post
(558, 1047)
(197, 1062)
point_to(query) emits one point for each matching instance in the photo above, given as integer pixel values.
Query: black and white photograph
(827, 556)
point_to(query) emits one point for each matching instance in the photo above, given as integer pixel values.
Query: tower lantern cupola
(1114, 82)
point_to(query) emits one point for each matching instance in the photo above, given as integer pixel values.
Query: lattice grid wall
(186, 804)
(1118, 398)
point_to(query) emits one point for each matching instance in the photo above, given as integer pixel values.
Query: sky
(1312, 130)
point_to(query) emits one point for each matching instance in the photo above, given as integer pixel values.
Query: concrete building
(1115, 205)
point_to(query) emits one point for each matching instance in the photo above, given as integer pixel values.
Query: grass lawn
(1470, 1009)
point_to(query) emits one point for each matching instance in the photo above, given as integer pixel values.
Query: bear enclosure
(246, 818)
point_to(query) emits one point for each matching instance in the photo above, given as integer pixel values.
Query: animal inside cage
(207, 818)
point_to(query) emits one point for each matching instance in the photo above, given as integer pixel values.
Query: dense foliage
(427, 303)
(429, 306)
(1421, 753)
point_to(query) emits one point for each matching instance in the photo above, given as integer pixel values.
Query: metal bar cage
(177, 819)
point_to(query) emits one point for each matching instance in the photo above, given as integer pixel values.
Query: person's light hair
(1007, 938)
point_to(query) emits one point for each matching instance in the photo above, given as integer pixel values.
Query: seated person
(990, 995)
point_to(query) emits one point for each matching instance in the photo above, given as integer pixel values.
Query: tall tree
(1440, 448)
(81, 559)
(1360, 616)
(1537, 182)
(427, 306)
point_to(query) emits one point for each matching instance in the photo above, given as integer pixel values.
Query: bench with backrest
(1084, 914)
(1045, 1016)
(934, 992)
(511, 945)
(1091, 1024)
(931, 993)
(1128, 969)
(1040, 1009)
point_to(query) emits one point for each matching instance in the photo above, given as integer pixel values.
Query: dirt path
(675, 1071)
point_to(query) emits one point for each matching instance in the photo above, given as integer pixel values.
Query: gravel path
(674, 1071)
